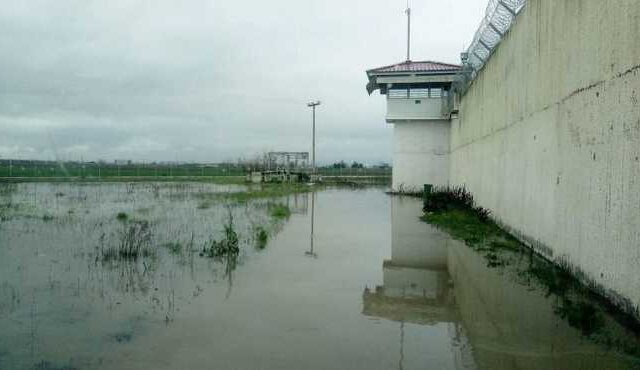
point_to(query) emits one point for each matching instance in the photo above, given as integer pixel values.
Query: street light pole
(313, 106)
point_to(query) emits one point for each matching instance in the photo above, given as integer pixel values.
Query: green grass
(581, 315)
(497, 246)
(475, 231)
(262, 191)
(268, 191)
(210, 179)
(28, 168)
(280, 211)
(35, 169)
(457, 214)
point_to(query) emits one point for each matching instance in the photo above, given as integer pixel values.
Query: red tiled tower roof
(423, 66)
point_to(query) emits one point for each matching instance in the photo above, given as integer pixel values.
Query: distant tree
(340, 164)
(357, 165)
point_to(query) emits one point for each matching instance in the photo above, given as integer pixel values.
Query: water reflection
(298, 203)
(310, 252)
(417, 288)
(498, 320)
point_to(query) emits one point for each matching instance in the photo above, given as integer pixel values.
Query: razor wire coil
(499, 17)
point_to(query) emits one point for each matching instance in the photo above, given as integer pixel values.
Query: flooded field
(197, 275)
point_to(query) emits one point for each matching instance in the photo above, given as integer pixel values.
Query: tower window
(419, 93)
(398, 93)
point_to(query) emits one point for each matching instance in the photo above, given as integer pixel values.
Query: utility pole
(313, 106)
(408, 11)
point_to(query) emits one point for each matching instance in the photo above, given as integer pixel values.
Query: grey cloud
(207, 80)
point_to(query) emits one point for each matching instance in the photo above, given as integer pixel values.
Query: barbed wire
(499, 17)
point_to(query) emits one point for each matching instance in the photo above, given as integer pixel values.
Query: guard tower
(420, 105)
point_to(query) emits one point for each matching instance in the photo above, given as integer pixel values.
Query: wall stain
(580, 90)
(633, 70)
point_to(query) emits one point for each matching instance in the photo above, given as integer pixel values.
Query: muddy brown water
(376, 288)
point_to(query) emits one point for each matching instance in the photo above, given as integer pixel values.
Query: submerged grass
(7, 188)
(279, 211)
(581, 315)
(228, 246)
(255, 192)
(204, 205)
(135, 241)
(173, 247)
(261, 237)
(474, 230)
(454, 211)
(10, 210)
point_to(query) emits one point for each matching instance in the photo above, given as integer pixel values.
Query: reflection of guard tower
(415, 280)
(416, 285)
(420, 104)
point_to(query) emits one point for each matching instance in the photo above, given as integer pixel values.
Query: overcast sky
(209, 80)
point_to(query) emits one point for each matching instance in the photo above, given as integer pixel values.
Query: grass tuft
(453, 198)
(204, 205)
(228, 246)
(280, 211)
(135, 241)
(173, 247)
(261, 237)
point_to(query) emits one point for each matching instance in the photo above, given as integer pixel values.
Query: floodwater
(351, 279)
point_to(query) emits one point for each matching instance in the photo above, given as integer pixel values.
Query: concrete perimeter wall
(420, 154)
(548, 138)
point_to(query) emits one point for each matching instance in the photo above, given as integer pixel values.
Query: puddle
(336, 279)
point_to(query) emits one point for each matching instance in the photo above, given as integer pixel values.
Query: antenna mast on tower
(408, 11)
